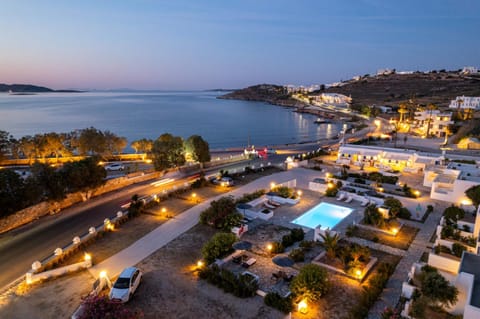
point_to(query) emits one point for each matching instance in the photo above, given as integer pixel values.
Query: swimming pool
(324, 215)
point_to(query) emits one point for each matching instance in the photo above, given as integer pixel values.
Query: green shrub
(372, 290)
(452, 214)
(201, 182)
(306, 244)
(221, 214)
(394, 205)
(274, 300)
(287, 240)
(219, 245)
(311, 283)
(351, 230)
(277, 247)
(297, 255)
(458, 249)
(297, 234)
(250, 196)
(331, 192)
(241, 286)
(404, 213)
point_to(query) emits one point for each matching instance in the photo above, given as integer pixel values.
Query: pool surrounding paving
(324, 215)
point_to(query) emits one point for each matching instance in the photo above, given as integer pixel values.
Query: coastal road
(21, 247)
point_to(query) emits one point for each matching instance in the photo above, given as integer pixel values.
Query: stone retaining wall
(32, 213)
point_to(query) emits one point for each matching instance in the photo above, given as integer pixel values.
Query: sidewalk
(170, 230)
(391, 294)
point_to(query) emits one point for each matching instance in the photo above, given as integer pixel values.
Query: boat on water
(322, 121)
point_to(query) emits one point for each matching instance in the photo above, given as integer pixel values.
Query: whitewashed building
(332, 98)
(466, 102)
(449, 183)
(386, 158)
(469, 70)
(463, 273)
(437, 120)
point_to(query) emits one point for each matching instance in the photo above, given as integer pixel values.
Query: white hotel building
(438, 121)
(466, 102)
(446, 182)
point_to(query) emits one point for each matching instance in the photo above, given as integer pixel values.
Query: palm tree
(430, 108)
(402, 110)
(330, 243)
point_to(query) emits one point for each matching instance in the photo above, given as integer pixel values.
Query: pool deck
(285, 214)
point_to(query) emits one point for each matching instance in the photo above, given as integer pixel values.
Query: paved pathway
(391, 293)
(170, 230)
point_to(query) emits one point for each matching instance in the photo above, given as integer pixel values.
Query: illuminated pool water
(324, 215)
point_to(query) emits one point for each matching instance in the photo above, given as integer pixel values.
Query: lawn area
(401, 241)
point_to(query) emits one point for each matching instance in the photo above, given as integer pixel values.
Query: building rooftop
(445, 178)
(471, 265)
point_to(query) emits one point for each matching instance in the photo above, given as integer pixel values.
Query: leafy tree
(311, 283)
(452, 214)
(438, 290)
(114, 144)
(4, 144)
(90, 141)
(330, 242)
(217, 246)
(143, 145)
(50, 180)
(371, 216)
(276, 301)
(198, 148)
(474, 194)
(394, 205)
(167, 151)
(12, 187)
(54, 144)
(221, 214)
(84, 175)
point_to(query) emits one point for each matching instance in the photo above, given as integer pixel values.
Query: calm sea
(223, 123)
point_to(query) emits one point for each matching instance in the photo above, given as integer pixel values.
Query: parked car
(224, 181)
(115, 167)
(126, 284)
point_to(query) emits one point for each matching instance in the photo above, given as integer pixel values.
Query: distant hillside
(438, 88)
(273, 94)
(28, 88)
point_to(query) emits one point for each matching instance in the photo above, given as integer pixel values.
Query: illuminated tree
(198, 148)
(311, 283)
(168, 151)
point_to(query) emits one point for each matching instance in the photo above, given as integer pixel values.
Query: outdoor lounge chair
(269, 205)
(365, 202)
(349, 199)
(341, 197)
(249, 262)
(273, 203)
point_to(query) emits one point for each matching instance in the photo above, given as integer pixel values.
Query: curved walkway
(173, 228)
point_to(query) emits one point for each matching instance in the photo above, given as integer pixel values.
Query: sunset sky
(229, 44)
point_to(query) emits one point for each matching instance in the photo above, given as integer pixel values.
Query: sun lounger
(364, 202)
(269, 206)
(349, 199)
(341, 197)
(249, 262)
(273, 203)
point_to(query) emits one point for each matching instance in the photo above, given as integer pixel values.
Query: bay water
(135, 115)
